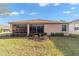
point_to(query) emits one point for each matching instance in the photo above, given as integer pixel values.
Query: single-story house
(74, 27)
(5, 28)
(39, 26)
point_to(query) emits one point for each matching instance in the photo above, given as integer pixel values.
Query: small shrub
(52, 34)
(35, 37)
(1, 31)
(45, 37)
(40, 34)
(31, 34)
(43, 34)
(57, 34)
(36, 34)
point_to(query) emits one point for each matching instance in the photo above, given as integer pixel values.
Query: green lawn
(57, 46)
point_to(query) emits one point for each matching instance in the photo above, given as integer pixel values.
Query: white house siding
(71, 28)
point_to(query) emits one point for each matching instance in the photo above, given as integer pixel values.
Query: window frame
(64, 27)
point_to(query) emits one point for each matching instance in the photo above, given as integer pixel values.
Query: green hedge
(1, 31)
(57, 34)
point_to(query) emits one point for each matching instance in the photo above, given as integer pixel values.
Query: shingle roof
(77, 20)
(37, 21)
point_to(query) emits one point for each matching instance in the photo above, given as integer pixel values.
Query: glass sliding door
(32, 29)
(40, 29)
(36, 28)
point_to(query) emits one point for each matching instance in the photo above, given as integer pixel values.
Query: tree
(4, 10)
(62, 20)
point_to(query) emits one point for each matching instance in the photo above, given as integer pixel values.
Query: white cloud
(22, 12)
(67, 12)
(33, 13)
(76, 15)
(9, 13)
(43, 4)
(72, 8)
(56, 4)
(46, 4)
(74, 3)
(14, 13)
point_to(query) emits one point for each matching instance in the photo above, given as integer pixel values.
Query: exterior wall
(54, 28)
(11, 27)
(71, 28)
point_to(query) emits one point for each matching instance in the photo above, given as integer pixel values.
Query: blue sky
(53, 11)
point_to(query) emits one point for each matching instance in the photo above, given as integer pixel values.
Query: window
(64, 27)
(20, 28)
(21, 25)
(36, 25)
(76, 28)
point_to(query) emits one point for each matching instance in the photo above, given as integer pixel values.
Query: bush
(45, 37)
(39, 34)
(1, 31)
(44, 34)
(52, 34)
(57, 34)
(33, 34)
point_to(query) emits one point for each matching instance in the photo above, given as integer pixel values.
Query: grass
(69, 46)
(57, 46)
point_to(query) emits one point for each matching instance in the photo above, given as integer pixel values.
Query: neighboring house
(40, 26)
(5, 28)
(74, 27)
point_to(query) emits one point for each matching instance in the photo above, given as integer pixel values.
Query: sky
(46, 11)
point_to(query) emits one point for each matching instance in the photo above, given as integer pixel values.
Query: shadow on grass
(67, 45)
